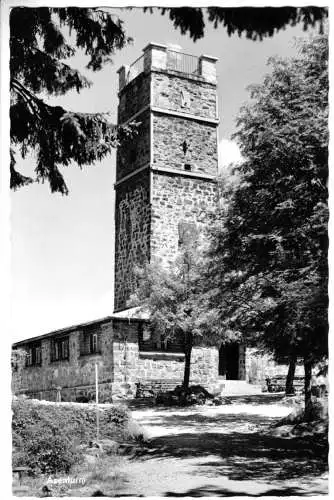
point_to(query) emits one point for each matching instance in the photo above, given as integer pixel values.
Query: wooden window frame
(34, 354)
(60, 349)
(94, 346)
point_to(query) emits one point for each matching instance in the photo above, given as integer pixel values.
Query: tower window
(188, 233)
(185, 99)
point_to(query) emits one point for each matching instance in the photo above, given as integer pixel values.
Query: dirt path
(222, 451)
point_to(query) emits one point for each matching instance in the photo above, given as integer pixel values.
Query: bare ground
(223, 451)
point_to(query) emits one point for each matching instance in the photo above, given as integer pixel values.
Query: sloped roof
(134, 313)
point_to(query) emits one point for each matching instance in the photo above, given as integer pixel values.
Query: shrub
(46, 436)
(317, 410)
(45, 452)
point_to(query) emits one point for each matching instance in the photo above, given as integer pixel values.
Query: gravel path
(222, 451)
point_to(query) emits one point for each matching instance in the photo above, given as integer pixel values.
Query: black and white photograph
(167, 175)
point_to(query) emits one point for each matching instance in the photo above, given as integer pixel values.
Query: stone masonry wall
(75, 376)
(132, 366)
(242, 362)
(168, 92)
(134, 98)
(135, 152)
(132, 237)
(170, 132)
(174, 200)
(177, 199)
(122, 365)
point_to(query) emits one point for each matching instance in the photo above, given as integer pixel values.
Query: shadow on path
(225, 451)
(242, 455)
(199, 420)
(252, 400)
(207, 491)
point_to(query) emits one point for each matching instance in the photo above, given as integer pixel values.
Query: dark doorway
(229, 361)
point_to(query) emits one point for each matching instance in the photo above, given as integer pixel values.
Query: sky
(62, 247)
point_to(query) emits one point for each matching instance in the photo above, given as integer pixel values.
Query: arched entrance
(229, 361)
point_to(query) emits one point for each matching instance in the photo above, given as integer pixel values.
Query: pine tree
(38, 51)
(269, 243)
(255, 23)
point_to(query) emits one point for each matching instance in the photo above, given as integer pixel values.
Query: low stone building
(166, 186)
(62, 363)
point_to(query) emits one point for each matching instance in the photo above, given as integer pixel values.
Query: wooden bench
(277, 383)
(150, 388)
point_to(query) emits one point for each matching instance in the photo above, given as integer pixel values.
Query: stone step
(236, 387)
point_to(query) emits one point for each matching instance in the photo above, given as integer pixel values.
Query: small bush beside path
(50, 440)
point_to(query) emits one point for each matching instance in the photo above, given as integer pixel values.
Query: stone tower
(166, 175)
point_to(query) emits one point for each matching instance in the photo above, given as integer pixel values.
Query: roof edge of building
(124, 315)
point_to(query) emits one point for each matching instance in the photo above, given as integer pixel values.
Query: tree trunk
(291, 375)
(308, 379)
(187, 360)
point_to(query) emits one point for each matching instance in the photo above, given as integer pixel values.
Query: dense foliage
(46, 436)
(255, 23)
(39, 47)
(269, 243)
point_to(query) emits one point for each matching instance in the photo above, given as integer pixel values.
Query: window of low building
(151, 341)
(60, 350)
(90, 341)
(34, 354)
